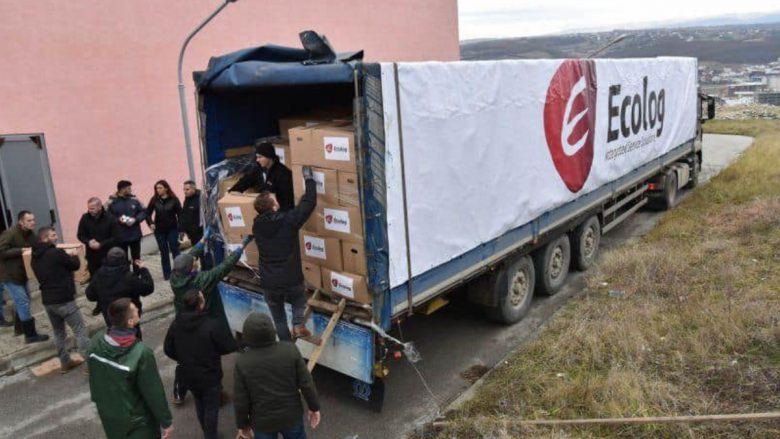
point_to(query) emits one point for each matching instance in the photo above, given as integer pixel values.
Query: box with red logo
(312, 275)
(237, 213)
(353, 256)
(340, 222)
(327, 184)
(320, 250)
(348, 189)
(348, 285)
(325, 146)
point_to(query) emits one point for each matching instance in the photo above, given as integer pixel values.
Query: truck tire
(552, 265)
(514, 289)
(668, 199)
(585, 243)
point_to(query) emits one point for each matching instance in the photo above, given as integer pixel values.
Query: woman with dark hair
(163, 218)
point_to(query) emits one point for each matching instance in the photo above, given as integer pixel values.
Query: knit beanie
(116, 257)
(266, 149)
(182, 264)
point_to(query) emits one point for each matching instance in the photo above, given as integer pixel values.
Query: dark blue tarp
(271, 66)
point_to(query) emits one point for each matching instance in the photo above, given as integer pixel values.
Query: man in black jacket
(269, 379)
(276, 236)
(114, 280)
(197, 342)
(53, 267)
(129, 213)
(269, 175)
(190, 223)
(98, 231)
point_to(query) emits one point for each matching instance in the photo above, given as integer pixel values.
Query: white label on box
(236, 247)
(336, 148)
(314, 247)
(235, 217)
(342, 285)
(337, 220)
(280, 154)
(319, 178)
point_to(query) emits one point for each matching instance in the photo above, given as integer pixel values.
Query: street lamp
(182, 99)
(618, 39)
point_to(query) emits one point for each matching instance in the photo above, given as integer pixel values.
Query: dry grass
(695, 333)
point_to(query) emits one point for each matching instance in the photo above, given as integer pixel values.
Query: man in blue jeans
(13, 275)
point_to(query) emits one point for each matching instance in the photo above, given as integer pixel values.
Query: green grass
(695, 333)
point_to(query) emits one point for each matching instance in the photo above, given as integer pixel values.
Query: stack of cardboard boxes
(332, 246)
(331, 242)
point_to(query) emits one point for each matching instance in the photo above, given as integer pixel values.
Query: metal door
(26, 180)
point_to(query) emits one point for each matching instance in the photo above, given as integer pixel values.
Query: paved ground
(450, 342)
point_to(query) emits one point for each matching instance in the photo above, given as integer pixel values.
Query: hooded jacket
(128, 206)
(12, 242)
(53, 267)
(276, 236)
(278, 180)
(189, 218)
(126, 388)
(114, 280)
(268, 378)
(104, 229)
(196, 342)
(206, 282)
(163, 213)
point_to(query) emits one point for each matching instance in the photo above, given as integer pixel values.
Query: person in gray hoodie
(269, 379)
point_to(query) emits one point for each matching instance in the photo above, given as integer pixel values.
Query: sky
(508, 18)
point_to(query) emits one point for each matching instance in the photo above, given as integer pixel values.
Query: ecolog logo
(329, 219)
(570, 120)
(308, 246)
(329, 148)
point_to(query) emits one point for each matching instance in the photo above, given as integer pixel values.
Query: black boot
(30, 334)
(18, 330)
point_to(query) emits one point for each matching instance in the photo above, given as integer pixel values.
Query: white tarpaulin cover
(491, 145)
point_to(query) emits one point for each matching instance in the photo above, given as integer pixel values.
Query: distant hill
(731, 44)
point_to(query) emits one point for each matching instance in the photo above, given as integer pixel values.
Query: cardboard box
(354, 257)
(237, 213)
(227, 183)
(312, 275)
(80, 276)
(286, 124)
(251, 255)
(323, 251)
(348, 285)
(340, 222)
(348, 189)
(324, 146)
(327, 184)
(281, 145)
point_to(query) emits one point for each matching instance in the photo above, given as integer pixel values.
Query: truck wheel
(668, 199)
(514, 289)
(585, 243)
(552, 265)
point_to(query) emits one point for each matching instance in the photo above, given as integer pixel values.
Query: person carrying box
(269, 175)
(276, 236)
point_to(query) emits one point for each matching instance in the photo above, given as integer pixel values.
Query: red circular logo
(335, 282)
(570, 120)
(329, 147)
(329, 218)
(308, 246)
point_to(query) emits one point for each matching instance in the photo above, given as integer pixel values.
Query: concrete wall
(98, 78)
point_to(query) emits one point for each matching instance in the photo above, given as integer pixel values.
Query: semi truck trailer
(496, 176)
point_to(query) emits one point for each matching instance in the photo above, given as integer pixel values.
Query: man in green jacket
(269, 379)
(124, 381)
(14, 277)
(186, 277)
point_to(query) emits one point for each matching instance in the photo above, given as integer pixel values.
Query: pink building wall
(98, 78)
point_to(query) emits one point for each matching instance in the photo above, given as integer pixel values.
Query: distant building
(773, 81)
(771, 98)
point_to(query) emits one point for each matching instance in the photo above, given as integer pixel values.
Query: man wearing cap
(186, 277)
(269, 175)
(129, 213)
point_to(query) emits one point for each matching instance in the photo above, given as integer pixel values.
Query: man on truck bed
(269, 175)
(276, 236)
